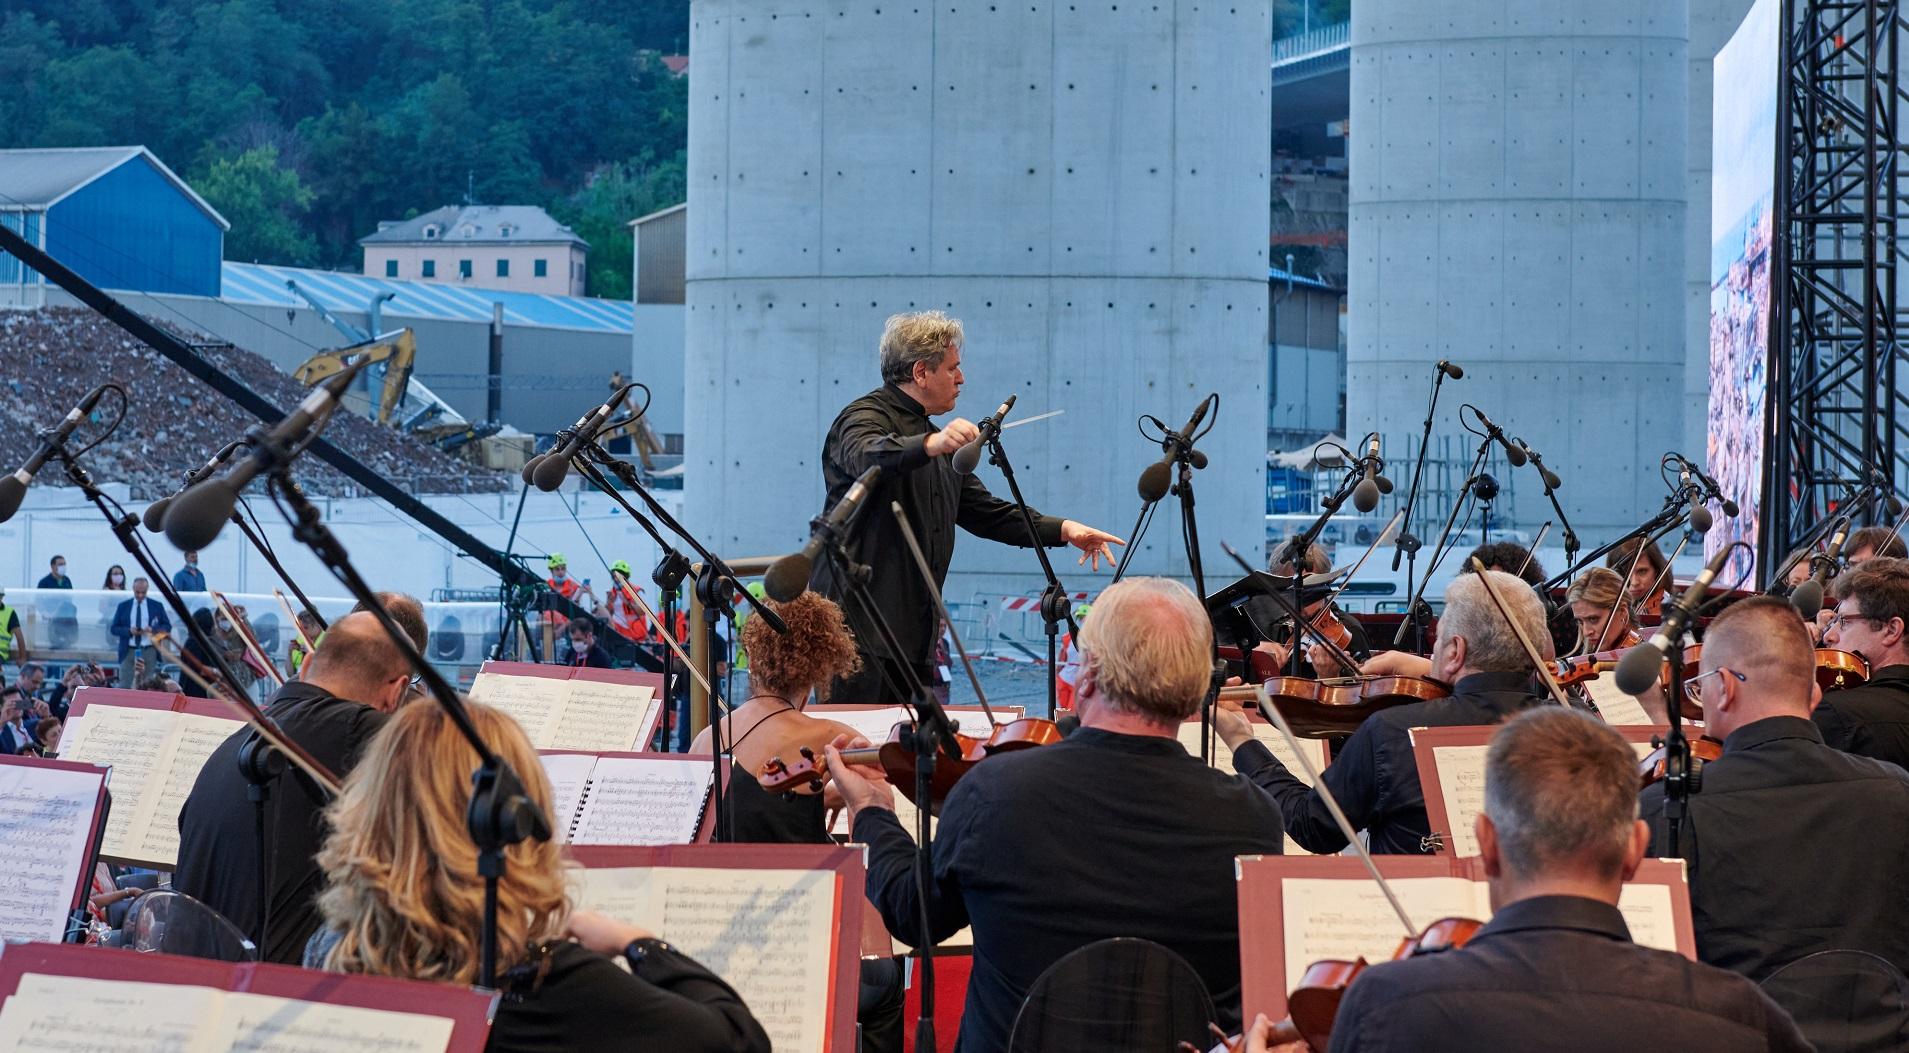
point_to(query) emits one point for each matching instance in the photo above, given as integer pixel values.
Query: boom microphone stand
(1411, 623)
(1407, 545)
(1054, 606)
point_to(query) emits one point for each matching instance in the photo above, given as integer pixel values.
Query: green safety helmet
(1081, 609)
(758, 590)
(555, 559)
(622, 565)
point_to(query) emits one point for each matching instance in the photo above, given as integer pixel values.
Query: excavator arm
(397, 353)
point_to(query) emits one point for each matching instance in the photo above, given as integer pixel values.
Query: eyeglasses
(1693, 688)
(1839, 619)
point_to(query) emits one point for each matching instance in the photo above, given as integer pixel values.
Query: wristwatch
(639, 950)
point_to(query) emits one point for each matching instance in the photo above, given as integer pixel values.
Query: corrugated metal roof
(254, 283)
(40, 178)
(1278, 274)
(477, 224)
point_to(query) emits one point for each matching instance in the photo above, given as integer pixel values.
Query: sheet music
(44, 826)
(601, 716)
(643, 801)
(1348, 918)
(1613, 705)
(72, 1014)
(1268, 734)
(534, 702)
(255, 1023)
(1650, 915)
(767, 932)
(195, 737)
(135, 744)
(1461, 781)
(568, 774)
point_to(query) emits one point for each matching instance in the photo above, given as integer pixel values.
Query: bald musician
(1871, 618)
(1555, 968)
(1792, 847)
(1375, 775)
(1114, 831)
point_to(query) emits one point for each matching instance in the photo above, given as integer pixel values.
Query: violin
(1315, 1001)
(897, 758)
(1837, 669)
(1321, 709)
(1702, 751)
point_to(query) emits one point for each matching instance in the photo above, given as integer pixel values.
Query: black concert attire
(1026, 851)
(570, 998)
(888, 428)
(1792, 847)
(1375, 774)
(218, 844)
(1271, 622)
(1557, 973)
(595, 658)
(1871, 719)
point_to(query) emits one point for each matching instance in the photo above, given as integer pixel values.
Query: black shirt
(1269, 621)
(1047, 850)
(1871, 718)
(595, 658)
(1557, 973)
(757, 816)
(1375, 775)
(1792, 847)
(218, 853)
(887, 428)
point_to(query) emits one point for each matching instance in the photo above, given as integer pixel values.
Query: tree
(600, 213)
(265, 205)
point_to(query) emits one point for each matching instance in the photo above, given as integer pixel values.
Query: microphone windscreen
(1550, 478)
(12, 492)
(530, 468)
(196, 516)
(1365, 496)
(1155, 480)
(1637, 670)
(1730, 508)
(1385, 485)
(1514, 455)
(1808, 598)
(787, 577)
(155, 516)
(1895, 506)
(965, 458)
(550, 473)
(1700, 519)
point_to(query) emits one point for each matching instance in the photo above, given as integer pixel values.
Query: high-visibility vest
(625, 618)
(6, 632)
(566, 588)
(1066, 671)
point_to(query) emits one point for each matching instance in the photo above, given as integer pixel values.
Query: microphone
(1808, 597)
(1700, 519)
(1157, 477)
(155, 515)
(1513, 455)
(1551, 480)
(530, 468)
(550, 472)
(1451, 369)
(969, 455)
(13, 488)
(788, 576)
(1711, 487)
(1637, 670)
(198, 513)
(1365, 496)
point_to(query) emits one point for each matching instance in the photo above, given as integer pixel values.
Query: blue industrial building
(114, 214)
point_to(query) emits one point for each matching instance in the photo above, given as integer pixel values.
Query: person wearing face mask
(56, 577)
(1375, 775)
(348, 689)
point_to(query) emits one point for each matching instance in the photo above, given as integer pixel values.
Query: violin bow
(265, 726)
(669, 639)
(1279, 596)
(1531, 649)
(1391, 527)
(928, 579)
(252, 648)
(1532, 552)
(286, 606)
(1332, 805)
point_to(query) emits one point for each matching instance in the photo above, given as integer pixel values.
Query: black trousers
(878, 683)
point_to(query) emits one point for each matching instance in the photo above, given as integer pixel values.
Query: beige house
(517, 248)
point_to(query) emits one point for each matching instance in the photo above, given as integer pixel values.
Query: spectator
(189, 578)
(134, 622)
(231, 644)
(196, 655)
(161, 683)
(56, 578)
(14, 737)
(32, 679)
(13, 643)
(562, 583)
(584, 649)
(308, 624)
(47, 735)
(115, 579)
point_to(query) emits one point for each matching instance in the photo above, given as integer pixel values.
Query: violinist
(1871, 618)
(1792, 847)
(1276, 628)
(1873, 542)
(1114, 831)
(1555, 968)
(1601, 606)
(1510, 557)
(1375, 775)
(1646, 575)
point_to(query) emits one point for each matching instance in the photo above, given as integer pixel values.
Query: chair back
(171, 922)
(1844, 1001)
(1121, 995)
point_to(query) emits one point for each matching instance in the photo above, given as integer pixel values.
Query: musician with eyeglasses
(1871, 618)
(1793, 847)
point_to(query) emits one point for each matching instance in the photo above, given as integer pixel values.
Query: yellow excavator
(396, 351)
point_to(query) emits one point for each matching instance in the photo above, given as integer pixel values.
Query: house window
(430, 268)
(430, 232)
(540, 268)
(503, 268)
(504, 230)
(391, 268)
(463, 268)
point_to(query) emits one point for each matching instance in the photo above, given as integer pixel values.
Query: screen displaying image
(1742, 189)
